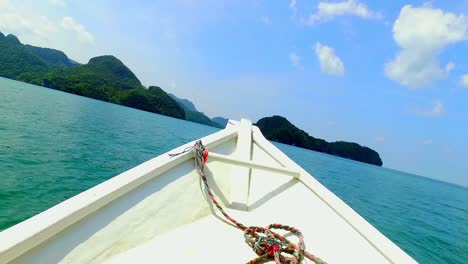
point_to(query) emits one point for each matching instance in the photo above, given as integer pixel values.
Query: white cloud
(464, 80)
(295, 60)
(266, 20)
(422, 33)
(58, 2)
(36, 28)
(68, 23)
(327, 11)
(437, 110)
(434, 109)
(330, 63)
(449, 67)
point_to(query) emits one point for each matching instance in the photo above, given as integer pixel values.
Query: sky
(391, 75)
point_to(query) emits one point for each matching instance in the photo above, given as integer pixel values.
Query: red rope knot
(270, 245)
(271, 249)
(204, 157)
(201, 153)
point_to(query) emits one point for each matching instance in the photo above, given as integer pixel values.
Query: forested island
(104, 78)
(107, 78)
(279, 129)
(192, 114)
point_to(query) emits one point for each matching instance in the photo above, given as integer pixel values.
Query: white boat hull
(158, 212)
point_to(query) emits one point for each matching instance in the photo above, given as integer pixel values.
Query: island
(104, 78)
(279, 129)
(192, 114)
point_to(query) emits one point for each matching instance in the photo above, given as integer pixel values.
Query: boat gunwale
(25, 236)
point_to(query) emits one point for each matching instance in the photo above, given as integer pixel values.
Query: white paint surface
(157, 213)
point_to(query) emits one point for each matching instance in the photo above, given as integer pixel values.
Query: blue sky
(387, 74)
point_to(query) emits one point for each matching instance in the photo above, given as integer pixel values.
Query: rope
(267, 244)
(187, 149)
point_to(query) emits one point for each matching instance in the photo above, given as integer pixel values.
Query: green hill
(101, 78)
(54, 58)
(187, 104)
(16, 58)
(278, 128)
(153, 99)
(199, 117)
(220, 120)
(104, 78)
(192, 114)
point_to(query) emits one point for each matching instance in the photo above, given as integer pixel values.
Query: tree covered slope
(278, 128)
(104, 78)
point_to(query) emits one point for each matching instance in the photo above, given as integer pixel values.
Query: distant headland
(278, 128)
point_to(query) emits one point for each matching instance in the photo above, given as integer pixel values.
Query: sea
(54, 145)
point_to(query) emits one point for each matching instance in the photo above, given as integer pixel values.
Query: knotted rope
(268, 245)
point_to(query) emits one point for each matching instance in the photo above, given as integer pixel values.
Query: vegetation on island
(220, 120)
(279, 129)
(16, 59)
(193, 115)
(54, 58)
(104, 78)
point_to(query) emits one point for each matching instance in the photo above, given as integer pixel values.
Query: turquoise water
(54, 145)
